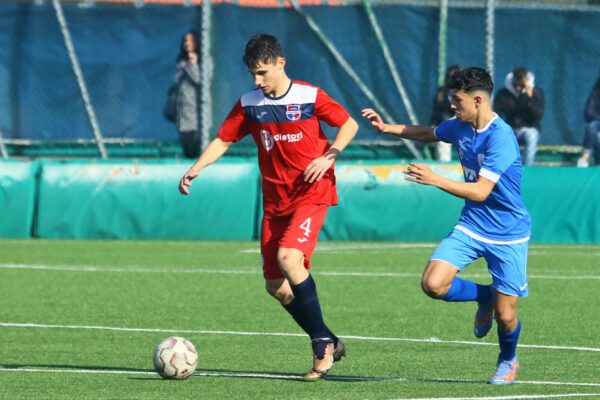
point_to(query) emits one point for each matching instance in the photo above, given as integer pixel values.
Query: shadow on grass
(220, 373)
(75, 368)
(223, 373)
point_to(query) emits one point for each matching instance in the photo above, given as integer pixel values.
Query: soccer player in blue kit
(494, 223)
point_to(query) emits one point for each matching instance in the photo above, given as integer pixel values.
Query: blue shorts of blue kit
(507, 263)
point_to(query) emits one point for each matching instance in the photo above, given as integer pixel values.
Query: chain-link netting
(127, 53)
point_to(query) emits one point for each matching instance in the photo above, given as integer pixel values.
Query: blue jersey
(493, 153)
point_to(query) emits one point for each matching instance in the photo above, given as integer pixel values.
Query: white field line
(256, 271)
(359, 246)
(241, 333)
(331, 378)
(369, 250)
(534, 250)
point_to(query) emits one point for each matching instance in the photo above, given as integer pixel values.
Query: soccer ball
(175, 358)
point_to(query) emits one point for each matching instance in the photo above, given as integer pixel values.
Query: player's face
(270, 76)
(464, 105)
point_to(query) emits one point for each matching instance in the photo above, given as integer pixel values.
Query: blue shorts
(507, 263)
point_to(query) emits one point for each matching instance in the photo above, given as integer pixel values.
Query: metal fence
(92, 74)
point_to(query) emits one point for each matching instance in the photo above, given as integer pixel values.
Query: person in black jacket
(521, 104)
(591, 138)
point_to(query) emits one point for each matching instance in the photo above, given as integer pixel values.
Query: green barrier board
(17, 198)
(124, 200)
(376, 203)
(128, 200)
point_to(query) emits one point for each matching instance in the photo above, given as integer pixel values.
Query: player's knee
(288, 259)
(279, 293)
(433, 289)
(507, 320)
(271, 290)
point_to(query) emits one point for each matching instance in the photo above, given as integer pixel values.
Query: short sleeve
(329, 110)
(232, 129)
(501, 153)
(448, 130)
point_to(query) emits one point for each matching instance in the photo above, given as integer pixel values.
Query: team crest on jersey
(293, 112)
(267, 140)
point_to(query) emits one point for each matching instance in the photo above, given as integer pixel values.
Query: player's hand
(317, 168)
(186, 181)
(375, 119)
(420, 173)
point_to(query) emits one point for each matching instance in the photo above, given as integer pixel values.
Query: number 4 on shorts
(305, 226)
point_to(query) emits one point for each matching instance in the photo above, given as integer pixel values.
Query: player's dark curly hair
(262, 48)
(472, 79)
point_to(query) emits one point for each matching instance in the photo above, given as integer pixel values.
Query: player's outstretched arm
(474, 191)
(412, 132)
(317, 168)
(212, 153)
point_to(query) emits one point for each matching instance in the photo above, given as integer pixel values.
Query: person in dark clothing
(521, 104)
(591, 138)
(441, 111)
(187, 80)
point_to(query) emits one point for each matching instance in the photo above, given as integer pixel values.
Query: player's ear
(281, 63)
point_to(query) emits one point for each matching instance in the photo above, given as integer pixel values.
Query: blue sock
(463, 290)
(295, 309)
(508, 343)
(311, 317)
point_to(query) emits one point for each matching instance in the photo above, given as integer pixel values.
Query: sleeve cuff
(487, 174)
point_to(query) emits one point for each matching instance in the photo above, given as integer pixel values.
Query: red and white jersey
(287, 132)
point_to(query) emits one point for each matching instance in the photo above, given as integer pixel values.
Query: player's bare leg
(280, 289)
(437, 277)
(506, 312)
(291, 263)
(440, 281)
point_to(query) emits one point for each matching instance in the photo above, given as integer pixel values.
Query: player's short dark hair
(472, 79)
(262, 48)
(450, 71)
(520, 73)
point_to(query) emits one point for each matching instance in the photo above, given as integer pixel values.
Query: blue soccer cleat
(506, 371)
(484, 318)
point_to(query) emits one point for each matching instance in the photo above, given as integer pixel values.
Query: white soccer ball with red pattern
(175, 358)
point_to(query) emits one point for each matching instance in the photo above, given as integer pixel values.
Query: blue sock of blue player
(295, 309)
(508, 342)
(463, 290)
(305, 294)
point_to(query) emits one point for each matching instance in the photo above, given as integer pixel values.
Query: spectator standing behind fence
(187, 84)
(591, 138)
(521, 104)
(442, 111)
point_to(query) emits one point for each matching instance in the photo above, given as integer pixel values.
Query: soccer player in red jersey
(298, 182)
